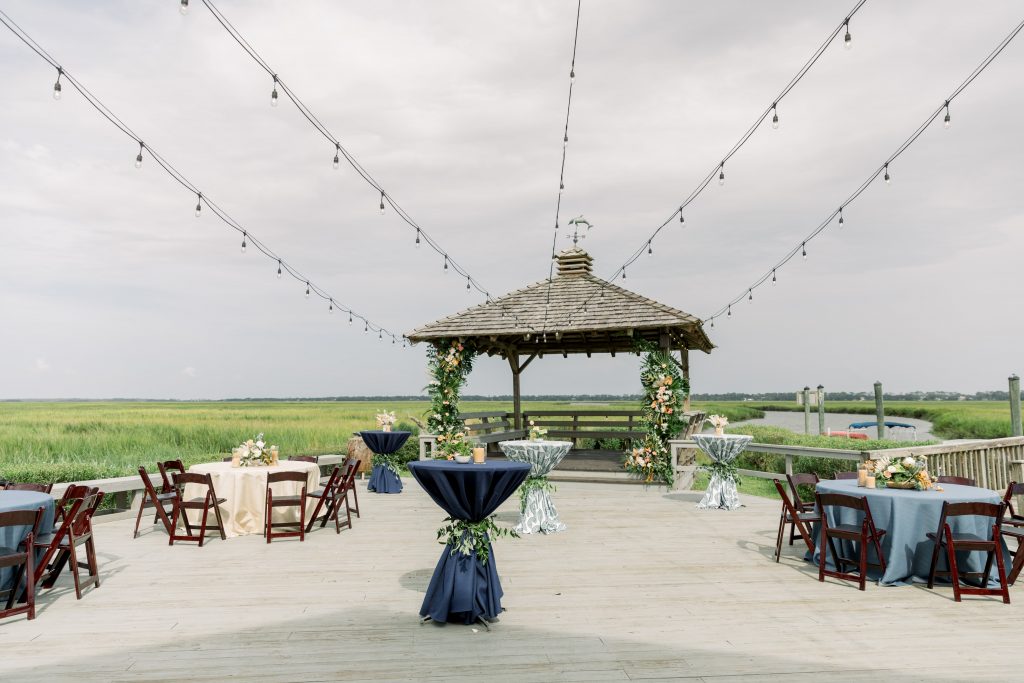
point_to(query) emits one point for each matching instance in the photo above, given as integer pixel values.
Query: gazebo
(576, 312)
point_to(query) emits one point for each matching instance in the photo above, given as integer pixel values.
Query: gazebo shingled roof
(524, 322)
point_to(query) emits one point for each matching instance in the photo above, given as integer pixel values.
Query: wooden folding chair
(79, 533)
(861, 534)
(794, 517)
(273, 502)
(72, 492)
(21, 559)
(795, 481)
(968, 542)
(304, 458)
(152, 499)
(208, 500)
(960, 481)
(49, 545)
(168, 468)
(1013, 529)
(353, 463)
(845, 475)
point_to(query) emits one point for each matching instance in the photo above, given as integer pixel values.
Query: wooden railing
(992, 463)
(573, 425)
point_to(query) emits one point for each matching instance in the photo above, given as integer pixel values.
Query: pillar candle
(479, 454)
(862, 477)
(870, 482)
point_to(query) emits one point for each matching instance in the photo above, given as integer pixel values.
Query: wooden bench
(484, 428)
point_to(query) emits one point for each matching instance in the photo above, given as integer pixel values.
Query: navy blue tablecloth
(10, 536)
(383, 479)
(462, 588)
(907, 516)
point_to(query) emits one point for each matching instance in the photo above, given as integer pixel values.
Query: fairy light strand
(882, 170)
(248, 239)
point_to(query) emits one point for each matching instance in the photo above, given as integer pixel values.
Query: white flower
(890, 469)
(908, 462)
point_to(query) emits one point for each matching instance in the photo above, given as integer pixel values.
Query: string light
(841, 220)
(138, 159)
(330, 308)
(681, 219)
(803, 249)
(56, 86)
(350, 317)
(307, 289)
(273, 95)
(750, 295)
(199, 204)
(773, 276)
(721, 174)
(847, 39)
(417, 238)
(572, 75)
(337, 156)
(184, 7)
(366, 328)
(888, 178)
(382, 203)
(244, 235)
(775, 115)
(623, 273)
(729, 311)
(649, 249)
(565, 140)
(467, 284)
(561, 187)
(278, 269)
(946, 122)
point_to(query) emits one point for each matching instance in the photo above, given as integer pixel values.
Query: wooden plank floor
(643, 586)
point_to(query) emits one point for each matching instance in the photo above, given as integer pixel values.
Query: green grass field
(75, 441)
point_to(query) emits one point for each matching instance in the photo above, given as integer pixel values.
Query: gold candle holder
(479, 455)
(273, 456)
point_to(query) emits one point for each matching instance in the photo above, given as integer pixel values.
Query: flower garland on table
(664, 392)
(472, 537)
(449, 363)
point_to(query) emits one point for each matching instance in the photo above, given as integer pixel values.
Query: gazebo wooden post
(684, 363)
(517, 406)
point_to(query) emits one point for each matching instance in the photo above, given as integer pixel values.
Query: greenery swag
(532, 483)
(449, 363)
(664, 392)
(726, 471)
(472, 537)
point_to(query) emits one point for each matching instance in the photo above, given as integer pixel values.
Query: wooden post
(1015, 406)
(807, 410)
(879, 410)
(517, 408)
(684, 362)
(821, 409)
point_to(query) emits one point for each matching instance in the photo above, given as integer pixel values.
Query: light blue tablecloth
(11, 536)
(907, 516)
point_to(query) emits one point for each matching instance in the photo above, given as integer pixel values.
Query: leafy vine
(532, 483)
(449, 363)
(472, 537)
(664, 392)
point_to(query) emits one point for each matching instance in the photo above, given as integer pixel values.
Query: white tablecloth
(245, 489)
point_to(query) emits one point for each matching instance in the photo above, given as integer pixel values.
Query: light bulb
(330, 309)
(243, 242)
(417, 238)
(138, 159)
(847, 39)
(337, 162)
(565, 140)
(561, 187)
(946, 123)
(773, 276)
(366, 328)
(750, 295)
(56, 86)
(888, 178)
(446, 264)
(775, 118)
(199, 205)
(350, 318)
(729, 311)
(842, 221)
(307, 290)
(184, 7)
(278, 269)
(721, 175)
(467, 283)
(623, 272)
(572, 75)
(381, 203)
(681, 219)
(649, 249)
(803, 249)
(712, 322)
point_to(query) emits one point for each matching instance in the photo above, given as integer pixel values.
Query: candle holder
(479, 455)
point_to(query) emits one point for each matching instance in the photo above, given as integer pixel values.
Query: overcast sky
(110, 287)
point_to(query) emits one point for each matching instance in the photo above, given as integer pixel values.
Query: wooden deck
(642, 586)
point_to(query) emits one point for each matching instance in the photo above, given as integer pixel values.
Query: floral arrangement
(469, 538)
(664, 391)
(386, 420)
(537, 433)
(903, 473)
(449, 363)
(718, 421)
(450, 445)
(255, 452)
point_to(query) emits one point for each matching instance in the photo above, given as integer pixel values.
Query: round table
(907, 516)
(721, 492)
(384, 478)
(463, 589)
(245, 488)
(12, 536)
(537, 512)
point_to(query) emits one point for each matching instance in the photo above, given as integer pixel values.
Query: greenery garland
(664, 392)
(538, 483)
(390, 461)
(472, 537)
(726, 471)
(449, 363)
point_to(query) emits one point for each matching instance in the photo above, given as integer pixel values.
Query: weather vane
(576, 223)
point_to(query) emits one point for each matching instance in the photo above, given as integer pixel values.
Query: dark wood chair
(168, 468)
(228, 459)
(1013, 529)
(795, 481)
(72, 492)
(305, 458)
(273, 502)
(969, 542)
(332, 489)
(960, 481)
(846, 475)
(79, 533)
(862, 534)
(354, 464)
(795, 518)
(21, 559)
(208, 500)
(38, 488)
(159, 501)
(49, 545)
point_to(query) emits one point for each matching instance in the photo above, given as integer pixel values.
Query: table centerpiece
(386, 421)
(909, 473)
(255, 452)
